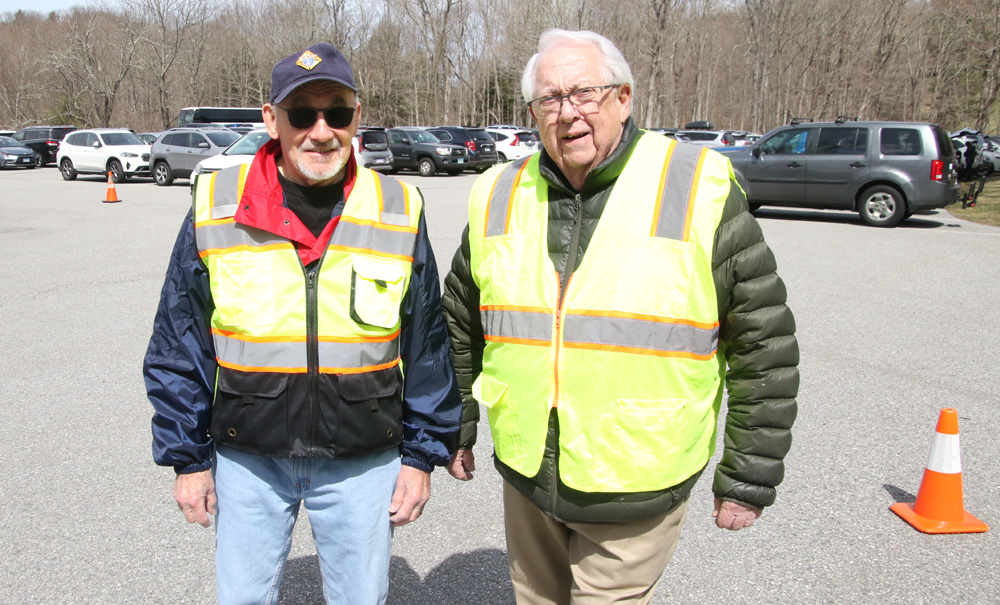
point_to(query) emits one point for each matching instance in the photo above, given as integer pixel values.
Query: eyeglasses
(583, 99)
(340, 116)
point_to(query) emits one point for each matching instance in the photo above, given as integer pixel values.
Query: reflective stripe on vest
(630, 359)
(604, 330)
(259, 285)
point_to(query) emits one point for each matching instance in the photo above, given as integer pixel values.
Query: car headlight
(5, 155)
(129, 154)
(443, 151)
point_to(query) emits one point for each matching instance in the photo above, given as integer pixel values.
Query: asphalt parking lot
(894, 324)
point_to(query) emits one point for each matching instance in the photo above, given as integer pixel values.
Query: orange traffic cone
(939, 508)
(112, 195)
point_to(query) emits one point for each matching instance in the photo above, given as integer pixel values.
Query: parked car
(885, 171)
(14, 154)
(149, 137)
(707, 138)
(240, 152)
(178, 151)
(417, 149)
(6, 133)
(513, 144)
(43, 140)
(482, 148)
(103, 150)
(371, 148)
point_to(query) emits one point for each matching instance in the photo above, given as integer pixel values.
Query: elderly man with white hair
(607, 291)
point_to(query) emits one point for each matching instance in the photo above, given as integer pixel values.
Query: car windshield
(248, 144)
(422, 136)
(120, 138)
(223, 138)
(8, 142)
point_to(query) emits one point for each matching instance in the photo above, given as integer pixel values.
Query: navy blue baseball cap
(318, 62)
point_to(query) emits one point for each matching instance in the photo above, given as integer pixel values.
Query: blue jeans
(348, 505)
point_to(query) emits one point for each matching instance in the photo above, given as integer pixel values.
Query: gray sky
(41, 6)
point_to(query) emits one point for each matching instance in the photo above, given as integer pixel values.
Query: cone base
(111, 201)
(968, 525)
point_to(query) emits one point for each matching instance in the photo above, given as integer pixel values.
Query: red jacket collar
(263, 204)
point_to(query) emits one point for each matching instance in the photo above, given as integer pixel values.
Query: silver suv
(884, 171)
(178, 150)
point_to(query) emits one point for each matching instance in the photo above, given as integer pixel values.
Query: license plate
(24, 160)
(380, 160)
(461, 161)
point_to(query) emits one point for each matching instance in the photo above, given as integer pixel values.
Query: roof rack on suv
(842, 119)
(797, 121)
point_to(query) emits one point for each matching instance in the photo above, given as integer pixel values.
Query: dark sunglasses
(305, 117)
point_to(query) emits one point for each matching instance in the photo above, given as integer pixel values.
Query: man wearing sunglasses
(600, 328)
(299, 288)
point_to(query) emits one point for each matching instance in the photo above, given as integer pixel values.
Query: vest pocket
(250, 410)
(371, 418)
(242, 289)
(503, 421)
(376, 291)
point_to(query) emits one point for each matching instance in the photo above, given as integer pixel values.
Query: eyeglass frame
(315, 116)
(568, 97)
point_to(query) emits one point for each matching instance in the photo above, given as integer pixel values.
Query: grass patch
(987, 210)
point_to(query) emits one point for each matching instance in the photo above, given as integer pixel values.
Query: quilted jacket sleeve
(461, 311)
(757, 337)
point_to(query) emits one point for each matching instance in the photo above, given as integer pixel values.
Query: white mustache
(335, 145)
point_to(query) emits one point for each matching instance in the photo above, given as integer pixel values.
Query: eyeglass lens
(305, 117)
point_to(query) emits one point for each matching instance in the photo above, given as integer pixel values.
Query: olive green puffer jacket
(756, 338)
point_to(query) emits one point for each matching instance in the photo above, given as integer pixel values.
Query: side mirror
(755, 152)
(203, 145)
(96, 145)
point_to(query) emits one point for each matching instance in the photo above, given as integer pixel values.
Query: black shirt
(313, 205)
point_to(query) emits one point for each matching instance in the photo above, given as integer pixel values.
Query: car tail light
(471, 145)
(516, 141)
(937, 170)
(52, 143)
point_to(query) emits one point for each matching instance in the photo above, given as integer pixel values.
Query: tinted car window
(443, 135)
(900, 141)
(700, 136)
(59, 133)
(842, 141)
(76, 139)
(194, 140)
(944, 146)
(91, 139)
(497, 136)
(397, 137)
(422, 136)
(223, 139)
(120, 138)
(787, 142)
(375, 140)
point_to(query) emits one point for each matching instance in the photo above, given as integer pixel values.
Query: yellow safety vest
(630, 356)
(261, 291)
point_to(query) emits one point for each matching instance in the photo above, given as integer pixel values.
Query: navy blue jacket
(180, 365)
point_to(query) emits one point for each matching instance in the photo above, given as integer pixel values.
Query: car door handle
(795, 165)
(857, 164)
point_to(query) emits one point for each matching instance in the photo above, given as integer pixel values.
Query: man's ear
(270, 120)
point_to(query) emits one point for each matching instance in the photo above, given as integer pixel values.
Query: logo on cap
(308, 60)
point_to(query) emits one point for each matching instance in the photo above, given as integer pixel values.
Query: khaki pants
(555, 563)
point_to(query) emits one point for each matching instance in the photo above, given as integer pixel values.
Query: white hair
(615, 69)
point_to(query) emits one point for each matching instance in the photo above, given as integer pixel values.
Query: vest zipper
(312, 350)
(564, 279)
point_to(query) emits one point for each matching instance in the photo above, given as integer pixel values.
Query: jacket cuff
(417, 463)
(193, 468)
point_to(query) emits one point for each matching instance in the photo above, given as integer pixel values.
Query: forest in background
(744, 64)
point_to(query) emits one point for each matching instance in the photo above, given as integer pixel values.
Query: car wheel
(67, 170)
(42, 162)
(162, 174)
(881, 206)
(426, 167)
(38, 161)
(501, 158)
(117, 173)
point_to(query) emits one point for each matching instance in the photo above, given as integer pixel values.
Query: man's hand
(733, 515)
(413, 490)
(195, 495)
(462, 464)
